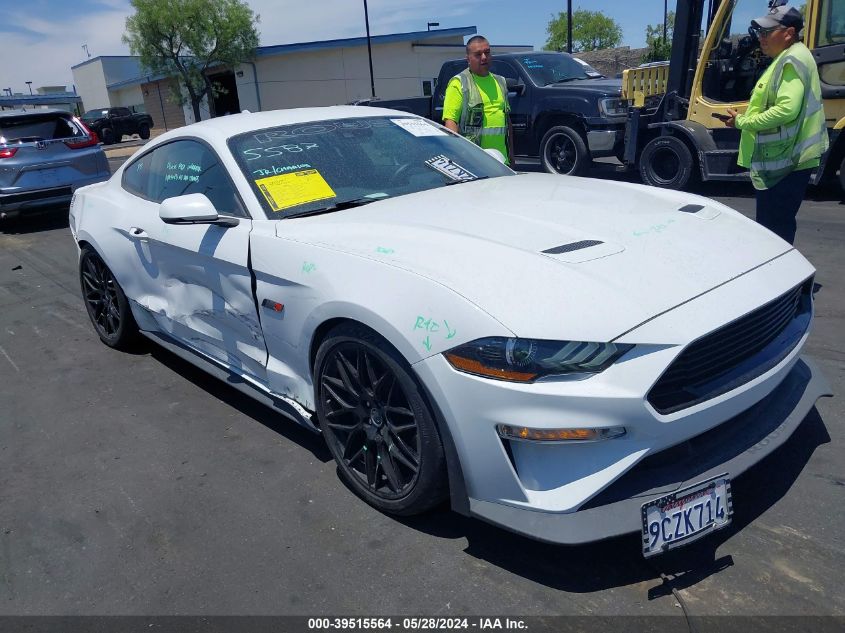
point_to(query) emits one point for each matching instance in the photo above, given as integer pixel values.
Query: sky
(42, 39)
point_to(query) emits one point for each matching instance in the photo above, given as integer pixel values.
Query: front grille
(735, 353)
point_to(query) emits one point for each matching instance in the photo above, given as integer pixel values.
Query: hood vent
(691, 208)
(572, 246)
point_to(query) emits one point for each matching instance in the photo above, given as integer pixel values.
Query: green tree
(187, 37)
(659, 49)
(591, 30)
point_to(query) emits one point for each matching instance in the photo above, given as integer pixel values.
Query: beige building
(321, 73)
(337, 71)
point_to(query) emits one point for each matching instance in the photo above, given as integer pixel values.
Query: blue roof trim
(99, 57)
(279, 49)
(53, 97)
(143, 79)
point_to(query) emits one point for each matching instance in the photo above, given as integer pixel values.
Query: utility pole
(569, 26)
(85, 46)
(665, 19)
(369, 50)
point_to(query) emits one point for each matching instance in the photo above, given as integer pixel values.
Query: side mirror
(515, 85)
(495, 154)
(193, 208)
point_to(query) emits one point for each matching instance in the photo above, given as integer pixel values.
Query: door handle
(138, 234)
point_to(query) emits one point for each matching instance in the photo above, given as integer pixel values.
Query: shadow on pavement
(578, 569)
(262, 414)
(36, 221)
(619, 562)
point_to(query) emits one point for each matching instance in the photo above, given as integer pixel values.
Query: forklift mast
(686, 42)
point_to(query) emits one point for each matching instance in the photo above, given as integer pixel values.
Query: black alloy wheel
(563, 151)
(107, 136)
(105, 302)
(376, 423)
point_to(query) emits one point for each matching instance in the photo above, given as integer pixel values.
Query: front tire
(668, 163)
(105, 302)
(564, 152)
(376, 423)
(144, 131)
(107, 136)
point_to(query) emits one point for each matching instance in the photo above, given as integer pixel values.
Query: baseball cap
(780, 16)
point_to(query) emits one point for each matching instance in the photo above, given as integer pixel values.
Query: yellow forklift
(674, 135)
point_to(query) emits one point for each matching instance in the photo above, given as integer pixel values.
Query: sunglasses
(768, 32)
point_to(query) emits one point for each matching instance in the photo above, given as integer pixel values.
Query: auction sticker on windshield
(291, 190)
(449, 168)
(687, 515)
(419, 127)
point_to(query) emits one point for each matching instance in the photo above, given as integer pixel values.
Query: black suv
(111, 124)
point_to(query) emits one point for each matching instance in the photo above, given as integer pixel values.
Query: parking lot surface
(135, 484)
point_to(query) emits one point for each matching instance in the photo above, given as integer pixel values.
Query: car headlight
(613, 107)
(526, 360)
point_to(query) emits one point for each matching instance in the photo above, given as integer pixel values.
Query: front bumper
(732, 448)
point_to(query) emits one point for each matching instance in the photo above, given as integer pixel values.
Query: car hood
(603, 86)
(550, 256)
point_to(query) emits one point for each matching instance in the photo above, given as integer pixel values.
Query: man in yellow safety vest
(476, 102)
(783, 130)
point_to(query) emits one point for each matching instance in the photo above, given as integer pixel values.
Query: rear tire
(377, 424)
(105, 302)
(144, 131)
(667, 162)
(107, 136)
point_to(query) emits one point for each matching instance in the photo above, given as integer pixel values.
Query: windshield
(549, 68)
(302, 168)
(94, 114)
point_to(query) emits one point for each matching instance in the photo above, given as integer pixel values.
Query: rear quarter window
(136, 177)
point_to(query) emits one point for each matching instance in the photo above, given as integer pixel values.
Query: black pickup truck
(564, 113)
(111, 124)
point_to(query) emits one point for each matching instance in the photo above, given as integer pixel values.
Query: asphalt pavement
(132, 483)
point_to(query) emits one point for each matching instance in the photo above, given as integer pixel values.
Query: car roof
(221, 128)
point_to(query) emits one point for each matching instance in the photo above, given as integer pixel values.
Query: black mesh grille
(720, 361)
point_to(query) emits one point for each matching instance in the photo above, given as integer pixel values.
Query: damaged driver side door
(204, 282)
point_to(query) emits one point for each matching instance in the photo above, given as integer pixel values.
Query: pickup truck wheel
(144, 131)
(107, 136)
(564, 152)
(667, 162)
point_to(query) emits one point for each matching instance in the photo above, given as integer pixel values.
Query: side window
(136, 177)
(504, 69)
(121, 112)
(185, 167)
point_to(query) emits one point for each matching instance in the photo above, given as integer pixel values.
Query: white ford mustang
(568, 358)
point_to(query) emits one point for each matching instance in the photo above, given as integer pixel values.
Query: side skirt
(249, 386)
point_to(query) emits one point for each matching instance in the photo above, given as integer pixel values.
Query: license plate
(686, 515)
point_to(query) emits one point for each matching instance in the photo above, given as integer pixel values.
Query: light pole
(369, 50)
(430, 24)
(29, 83)
(569, 26)
(85, 46)
(665, 14)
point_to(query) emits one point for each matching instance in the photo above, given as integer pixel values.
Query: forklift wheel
(667, 162)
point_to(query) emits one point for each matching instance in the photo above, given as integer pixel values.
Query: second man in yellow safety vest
(476, 102)
(783, 130)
